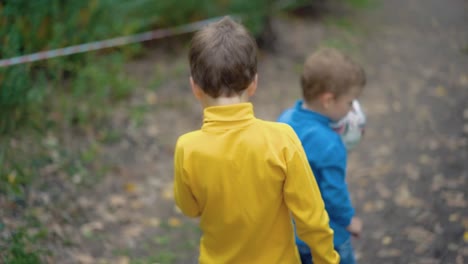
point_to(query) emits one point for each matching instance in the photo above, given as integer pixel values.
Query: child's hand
(355, 227)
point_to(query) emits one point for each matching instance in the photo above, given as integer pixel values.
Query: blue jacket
(327, 157)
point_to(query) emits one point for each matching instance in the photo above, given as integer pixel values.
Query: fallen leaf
(412, 172)
(130, 187)
(465, 236)
(83, 258)
(88, 229)
(383, 191)
(454, 217)
(419, 235)
(369, 207)
(386, 240)
(104, 214)
(12, 177)
(123, 260)
(405, 199)
(153, 222)
(57, 230)
(84, 202)
(151, 98)
(463, 80)
(168, 194)
(117, 200)
(425, 159)
(153, 130)
(133, 231)
(383, 150)
(454, 199)
(136, 204)
(174, 222)
(440, 91)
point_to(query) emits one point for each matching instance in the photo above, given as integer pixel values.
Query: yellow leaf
(174, 222)
(386, 240)
(123, 260)
(454, 217)
(425, 159)
(130, 187)
(168, 194)
(153, 221)
(151, 98)
(12, 177)
(369, 207)
(440, 91)
(465, 236)
(136, 204)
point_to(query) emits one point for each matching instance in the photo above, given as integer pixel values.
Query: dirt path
(408, 178)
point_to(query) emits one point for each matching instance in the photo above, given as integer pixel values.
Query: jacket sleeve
(304, 201)
(183, 195)
(334, 188)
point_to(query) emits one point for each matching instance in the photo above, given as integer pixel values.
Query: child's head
(331, 81)
(223, 59)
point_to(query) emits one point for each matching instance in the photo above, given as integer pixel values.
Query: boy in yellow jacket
(244, 177)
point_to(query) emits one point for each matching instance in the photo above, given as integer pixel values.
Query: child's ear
(196, 90)
(252, 86)
(327, 99)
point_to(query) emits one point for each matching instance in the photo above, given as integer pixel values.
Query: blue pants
(345, 251)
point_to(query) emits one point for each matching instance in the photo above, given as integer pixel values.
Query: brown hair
(223, 58)
(329, 70)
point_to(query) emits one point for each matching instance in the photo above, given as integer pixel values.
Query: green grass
(362, 3)
(21, 248)
(342, 23)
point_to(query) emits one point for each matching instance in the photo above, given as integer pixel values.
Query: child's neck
(220, 101)
(314, 106)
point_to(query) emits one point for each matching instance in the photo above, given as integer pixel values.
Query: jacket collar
(227, 116)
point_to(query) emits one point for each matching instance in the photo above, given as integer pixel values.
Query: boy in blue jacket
(330, 82)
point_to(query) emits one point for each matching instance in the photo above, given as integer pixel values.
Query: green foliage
(31, 26)
(20, 250)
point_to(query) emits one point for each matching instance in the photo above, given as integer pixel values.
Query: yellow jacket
(244, 177)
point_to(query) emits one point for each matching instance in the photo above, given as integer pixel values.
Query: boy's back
(242, 176)
(237, 171)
